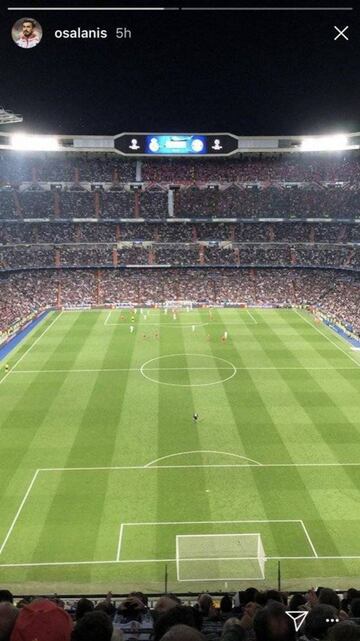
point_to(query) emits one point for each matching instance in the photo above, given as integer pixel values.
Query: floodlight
(27, 142)
(325, 143)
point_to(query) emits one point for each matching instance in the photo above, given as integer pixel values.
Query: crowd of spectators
(64, 167)
(137, 255)
(174, 254)
(35, 204)
(89, 255)
(115, 204)
(23, 257)
(184, 254)
(104, 167)
(249, 615)
(14, 233)
(153, 203)
(292, 168)
(191, 202)
(7, 204)
(268, 202)
(75, 204)
(249, 187)
(336, 294)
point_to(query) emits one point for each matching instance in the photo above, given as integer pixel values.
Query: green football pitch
(106, 481)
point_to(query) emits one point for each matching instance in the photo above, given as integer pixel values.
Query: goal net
(216, 557)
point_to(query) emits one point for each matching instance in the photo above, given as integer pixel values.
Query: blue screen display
(182, 144)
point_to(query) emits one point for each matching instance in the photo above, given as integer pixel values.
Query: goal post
(220, 557)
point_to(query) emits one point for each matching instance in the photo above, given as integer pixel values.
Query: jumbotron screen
(176, 144)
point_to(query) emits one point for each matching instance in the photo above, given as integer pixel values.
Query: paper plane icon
(298, 616)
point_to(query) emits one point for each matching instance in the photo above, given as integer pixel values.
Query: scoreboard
(148, 144)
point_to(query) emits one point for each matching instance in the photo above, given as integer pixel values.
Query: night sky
(248, 73)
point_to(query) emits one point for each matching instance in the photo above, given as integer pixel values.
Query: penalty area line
(309, 539)
(19, 510)
(205, 465)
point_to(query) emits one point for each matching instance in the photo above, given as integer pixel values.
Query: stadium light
(27, 142)
(325, 143)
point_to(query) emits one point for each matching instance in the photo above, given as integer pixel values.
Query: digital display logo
(176, 144)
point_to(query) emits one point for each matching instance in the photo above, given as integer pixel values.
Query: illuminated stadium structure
(118, 256)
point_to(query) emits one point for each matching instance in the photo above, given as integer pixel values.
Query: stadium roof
(170, 144)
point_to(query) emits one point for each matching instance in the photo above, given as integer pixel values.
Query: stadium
(179, 383)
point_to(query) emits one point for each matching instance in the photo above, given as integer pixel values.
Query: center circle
(201, 370)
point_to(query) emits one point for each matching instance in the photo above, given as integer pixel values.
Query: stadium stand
(61, 213)
(24, 292)
(247, 615)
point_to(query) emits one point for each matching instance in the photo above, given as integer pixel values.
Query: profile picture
(27, 33)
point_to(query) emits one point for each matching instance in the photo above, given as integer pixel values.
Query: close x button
(341, 33)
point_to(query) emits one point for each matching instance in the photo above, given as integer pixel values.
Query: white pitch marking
(170, 467)
(150, 466)
(120, 542)
(157, 369)
(269, 558)
(252, 317)
(107, 318)
(223, 578)
(328, 338)
(216, 523)
(19, 510)
(51, 563)
(201, 452)
(190, 369)
(309, 539)
(29, 348)
(73, 371)
(158, 358)
(61, 563)
(177, 558)
(191, 536)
